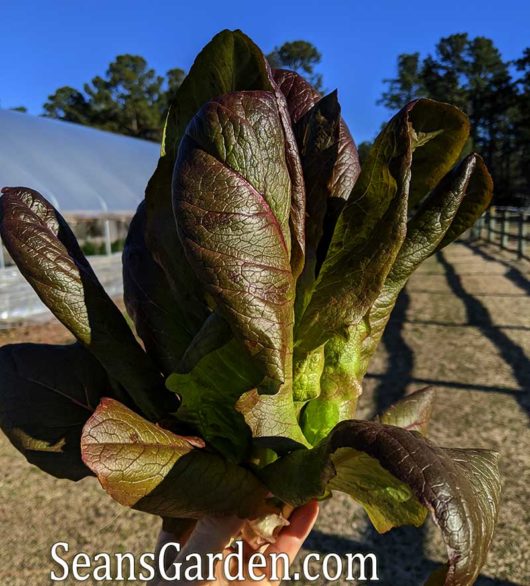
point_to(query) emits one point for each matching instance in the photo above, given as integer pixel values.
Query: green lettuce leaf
(440, 132)
(151, 469)
(340, 386)
(426, 231)
(372, 226)
(220, 400)
(160, 321)
(272, 419)
(232, 194)
(47, 393)
(48, 255)
(397, 475)
(307, 376)
(209, 393)
(478, 197)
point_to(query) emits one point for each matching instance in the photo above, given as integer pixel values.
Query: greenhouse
(96, 179)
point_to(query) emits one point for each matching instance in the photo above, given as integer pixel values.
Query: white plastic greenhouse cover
(79, 169)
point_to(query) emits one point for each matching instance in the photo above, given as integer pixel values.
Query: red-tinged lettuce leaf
(166, 249)
(297, 219)
(48, 255)
(372, 226)
(478, 197)
(397, 475)
(47, 393)
(232, 194)
(468, 533)
(165, 329)
(229, 62)
(304, 474)
(317, 134)
(413, 412)
(365, 242)
(301, 97)
(461, 488)
(148, 468)
(330, 162)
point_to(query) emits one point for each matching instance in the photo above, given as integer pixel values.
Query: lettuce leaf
(48, 255)
(151, 469)
(232, 194)
(397, 475)
(229, 62)
(47, 393)
(165, 329)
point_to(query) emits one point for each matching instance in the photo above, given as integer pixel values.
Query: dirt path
(462, 326)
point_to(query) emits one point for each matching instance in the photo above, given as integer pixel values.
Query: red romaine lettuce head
(260, 273)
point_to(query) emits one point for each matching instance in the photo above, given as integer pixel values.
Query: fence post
(521, 235)
(2, 258)
(108, 240)
(488, 225)
(503, 230)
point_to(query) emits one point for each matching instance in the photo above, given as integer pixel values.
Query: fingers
(212, 535)
(292, 538)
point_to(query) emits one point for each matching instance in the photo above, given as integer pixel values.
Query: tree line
(131, 98)
(495, 94)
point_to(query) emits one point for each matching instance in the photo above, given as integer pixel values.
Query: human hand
(213, 536)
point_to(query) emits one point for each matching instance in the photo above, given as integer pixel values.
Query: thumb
(210, 536)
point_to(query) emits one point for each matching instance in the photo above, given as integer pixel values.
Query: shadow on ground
(513, 274)
(478, 315)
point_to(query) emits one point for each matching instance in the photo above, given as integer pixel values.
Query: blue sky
(47, 44)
